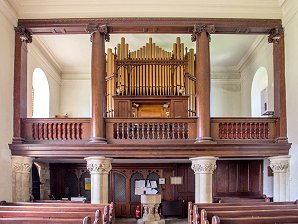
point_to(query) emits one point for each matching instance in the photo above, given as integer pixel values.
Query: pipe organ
(150, 72)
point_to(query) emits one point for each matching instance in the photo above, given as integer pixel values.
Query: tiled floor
(168, 221)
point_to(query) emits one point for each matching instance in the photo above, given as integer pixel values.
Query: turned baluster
(153, 130)
(122, 131)
(143, 130)
(127, 131)
(138, 131)
(183, 131)
(168, 130)
(117, 131)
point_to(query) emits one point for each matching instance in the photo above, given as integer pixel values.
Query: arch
(133, 196)
(259, 83)
(40, 94)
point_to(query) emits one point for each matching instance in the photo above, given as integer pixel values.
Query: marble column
(201, 34)
(99, 168)
(99, 34)
(279, 166)
(21, 170)
(203, 168)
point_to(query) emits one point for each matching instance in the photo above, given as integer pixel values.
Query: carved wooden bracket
(24, 34)
(274, 35)
(91, 28)
(201, 28)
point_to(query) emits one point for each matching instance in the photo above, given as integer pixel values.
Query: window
(41, 94)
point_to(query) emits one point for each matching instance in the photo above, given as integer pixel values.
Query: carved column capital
(21, 164)
(99, 165)
(24, 34)
(279, 164)
(201, 28)
(274, 35)
(204, 164)
(103, 29)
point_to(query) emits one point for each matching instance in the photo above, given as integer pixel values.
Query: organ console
(150, 73)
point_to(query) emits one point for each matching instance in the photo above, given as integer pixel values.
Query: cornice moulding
(76, 77)
(289, 10)
(206, 9)
(250, 51)
(38, 55)
(47, 53)
(9, 12)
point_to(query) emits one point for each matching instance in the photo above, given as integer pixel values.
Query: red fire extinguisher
(138, 212)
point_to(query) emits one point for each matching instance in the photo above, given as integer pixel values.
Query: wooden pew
(104, 213)
(237, 210)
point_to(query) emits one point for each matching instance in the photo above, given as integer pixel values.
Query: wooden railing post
(98, 73)
(201, 36)
(22, 38)
(277, 38)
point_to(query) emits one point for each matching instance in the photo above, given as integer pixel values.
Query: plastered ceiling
(72, 53)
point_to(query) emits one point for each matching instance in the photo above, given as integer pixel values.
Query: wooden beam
(150, 25)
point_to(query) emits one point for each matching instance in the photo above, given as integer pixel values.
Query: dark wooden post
(277, 38)
(98, 85)
(202, 38)
(22, 38)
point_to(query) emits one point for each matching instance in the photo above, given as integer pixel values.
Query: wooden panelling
(238, 178)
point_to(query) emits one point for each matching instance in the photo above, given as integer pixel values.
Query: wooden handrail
(55, 129)
(243, 128)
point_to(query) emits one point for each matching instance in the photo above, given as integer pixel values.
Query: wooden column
(277, 38)
(98, 84)
(201, 36)
(22, 38)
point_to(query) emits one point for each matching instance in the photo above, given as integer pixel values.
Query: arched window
(259, 92)
(40, 94)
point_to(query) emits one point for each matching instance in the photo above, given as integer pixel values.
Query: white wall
(290, 24)
(262, 56)
(76, 95)
(7, 23)
(38, 59)
(225, 98)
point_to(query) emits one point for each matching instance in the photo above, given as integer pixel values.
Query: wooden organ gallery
(152, 104)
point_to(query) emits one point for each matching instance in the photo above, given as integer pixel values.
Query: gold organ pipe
(119, 70)
(178, 68)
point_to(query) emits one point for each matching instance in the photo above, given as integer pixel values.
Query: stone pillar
(201, 34)
(21, 170)
(22, 38)
(203, 168)
(44, 175)
(98, 84)
(279, 166)
(99, 168)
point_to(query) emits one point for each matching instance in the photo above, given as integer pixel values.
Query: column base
(207, 140)
(97, 140)
(18, 140)
(162, 221)
(282, 140)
